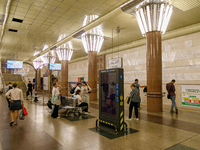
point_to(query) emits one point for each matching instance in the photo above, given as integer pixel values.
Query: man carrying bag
(171, 95)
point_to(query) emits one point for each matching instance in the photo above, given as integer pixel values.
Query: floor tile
(180, 147)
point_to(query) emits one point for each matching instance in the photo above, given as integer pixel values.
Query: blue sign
(54, 66)
(117, 99)
(117, 93)
(14, 64)
(121, 76)
(117, 86)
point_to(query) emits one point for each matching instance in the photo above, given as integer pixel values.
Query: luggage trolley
(70, 105)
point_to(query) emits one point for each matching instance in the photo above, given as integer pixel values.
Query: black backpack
(49, 104)
(10, 87)
(145, 89)
(72, 90)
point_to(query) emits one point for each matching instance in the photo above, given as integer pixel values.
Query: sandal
(15, 124)
(11, 123)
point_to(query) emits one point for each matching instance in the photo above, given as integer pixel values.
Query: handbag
(126, 100)
(88, 90)
(53, 99)
(21, 115)
(168, 96)
(58, 102)
(25, 111)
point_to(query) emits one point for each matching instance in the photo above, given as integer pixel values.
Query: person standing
(78, 85)
(16, 102)
(9, 87)
(138, 87)
(55, 93)
(134, 100)
(171, 91)
(85, 90)
(29, 89)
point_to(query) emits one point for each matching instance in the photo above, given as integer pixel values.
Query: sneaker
(176, 111)
(128, 119)
(58, 117)
(136, 119)
(86, 113)
(139, 108)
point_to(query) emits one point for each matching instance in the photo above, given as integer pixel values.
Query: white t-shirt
(15, 94)
(84, 90)
(79, 99)
(77, 88)
(55, 92)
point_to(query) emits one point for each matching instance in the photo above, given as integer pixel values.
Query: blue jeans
(173, 98)
(138, 104)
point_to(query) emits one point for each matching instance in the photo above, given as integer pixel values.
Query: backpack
(10, 87)
(145, 89)
(72, 90)
(49, 104)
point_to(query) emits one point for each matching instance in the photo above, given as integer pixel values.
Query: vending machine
(111, 99)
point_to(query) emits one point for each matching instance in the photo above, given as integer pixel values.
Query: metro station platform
(157, 131)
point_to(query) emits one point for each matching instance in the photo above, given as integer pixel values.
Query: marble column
(92, 74)
(49, 73)
(64, 77)
(154, 71)
(39, 80)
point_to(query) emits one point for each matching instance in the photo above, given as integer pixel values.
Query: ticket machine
(111, 99)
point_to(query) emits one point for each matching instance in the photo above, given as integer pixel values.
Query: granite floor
(157, 131)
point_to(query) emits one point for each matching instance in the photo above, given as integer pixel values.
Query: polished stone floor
(157, 131)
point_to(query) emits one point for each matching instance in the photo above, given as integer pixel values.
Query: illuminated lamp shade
(64, 51)
(49, 57)
(37, 63)
(93, 39)
(153, 15)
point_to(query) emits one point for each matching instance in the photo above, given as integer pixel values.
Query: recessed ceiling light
(17, 20)
(12, 30)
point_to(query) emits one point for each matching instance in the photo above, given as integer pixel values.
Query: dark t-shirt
(30, 86)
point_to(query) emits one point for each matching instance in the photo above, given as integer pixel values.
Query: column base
(93, 96)
(154, 104)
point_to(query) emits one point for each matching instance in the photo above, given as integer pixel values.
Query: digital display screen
(14, 64)
(108, 90)
(54, 66)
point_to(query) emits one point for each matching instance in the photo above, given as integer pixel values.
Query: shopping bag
(21, 115)
(25, 111)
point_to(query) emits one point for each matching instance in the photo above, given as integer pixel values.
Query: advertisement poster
(45, 83)
(54, 66)
(115, 63)
(190, 95)
(14, 64)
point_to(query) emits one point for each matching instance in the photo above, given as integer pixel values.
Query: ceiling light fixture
(93, 39)
(38, 62)
(64, 51)
(153, 15)
(49, 57)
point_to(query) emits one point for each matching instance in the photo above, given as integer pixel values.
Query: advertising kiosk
(111, 99)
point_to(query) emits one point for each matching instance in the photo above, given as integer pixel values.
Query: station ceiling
(31, 24)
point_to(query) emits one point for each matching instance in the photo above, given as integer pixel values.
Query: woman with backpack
(134, 100)
(16, 102)
(85, 90)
